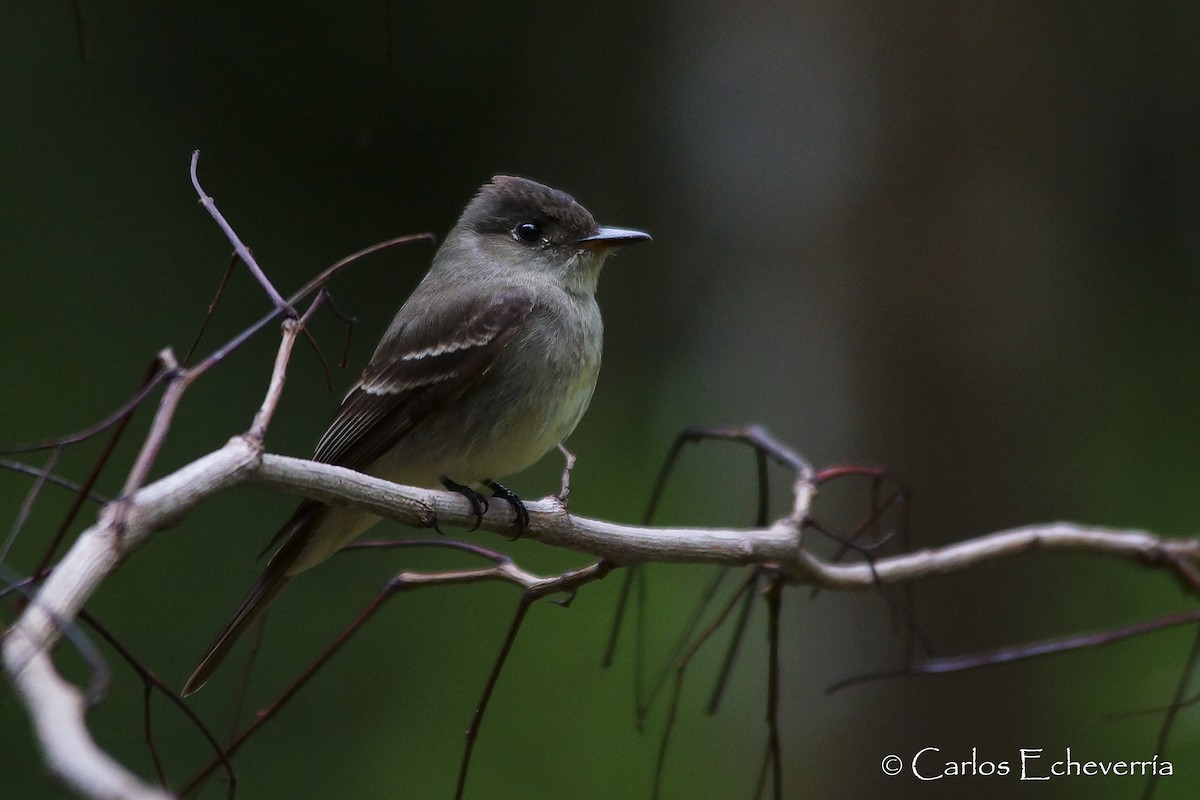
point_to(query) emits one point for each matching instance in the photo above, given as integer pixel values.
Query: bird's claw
(509, 496)
(479, 503)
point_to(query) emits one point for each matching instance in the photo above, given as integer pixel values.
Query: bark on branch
(57, 709)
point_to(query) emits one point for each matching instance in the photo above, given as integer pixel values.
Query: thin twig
(489, 686)
(212, 308)
(774, 599)
(52, 479)
(151, 682)
(681, 666)
(735, 641)
(1021, 652)
(501, 569)
(1177, 702)
(291, 329)
(122, 424)
(349, 321)
(239, 246)
(27, 504)
(112, 419)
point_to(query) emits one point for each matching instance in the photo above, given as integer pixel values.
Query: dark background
(958, 240)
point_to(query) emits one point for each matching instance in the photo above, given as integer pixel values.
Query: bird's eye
(528, 232)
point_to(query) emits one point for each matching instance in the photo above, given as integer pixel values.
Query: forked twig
(55, 705)
(151, 682)
(774, 549)
(502, 568)
(239, 247)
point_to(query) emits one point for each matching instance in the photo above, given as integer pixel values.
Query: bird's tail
(294, 533)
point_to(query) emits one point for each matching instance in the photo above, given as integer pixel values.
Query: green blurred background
(958, 240)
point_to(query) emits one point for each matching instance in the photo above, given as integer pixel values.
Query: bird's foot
(509, 496)
(568, 465)
(479, 503)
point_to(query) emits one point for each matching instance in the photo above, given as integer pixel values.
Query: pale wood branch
(57, 708)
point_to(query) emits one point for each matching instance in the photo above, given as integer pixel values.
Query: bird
(490, 363)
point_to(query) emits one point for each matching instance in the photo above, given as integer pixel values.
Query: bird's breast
(530, 399)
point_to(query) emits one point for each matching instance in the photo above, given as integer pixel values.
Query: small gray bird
(488, 365)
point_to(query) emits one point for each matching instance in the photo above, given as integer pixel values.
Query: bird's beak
(612, 238)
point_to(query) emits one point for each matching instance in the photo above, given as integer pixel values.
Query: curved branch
(57, 707)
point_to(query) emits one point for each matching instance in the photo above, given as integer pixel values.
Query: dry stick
(349, 322)
(239, 247)
(160, 426)
(52, 479)
(326, 373)
(112, 419)
(122, 424)
(680, 669)
(169, 499)
(1177, 702)
(1021, 652)
(212, 307)
(778, 544)
(472, 734)
(503, 569)
(646, 700)
(98, 673)
(774, 598)
(26, 649)
(27, 504)
(150, 682)
(614, 630)
(731, 652)
(291, 329)
(270, 711)
(901, 608)
(14, 582)
(56, 706)
(764, 445)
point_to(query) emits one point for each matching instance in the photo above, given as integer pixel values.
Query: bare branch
(125, 524)
(291, 329)
(55, 706)
(239, 246)
(144, 507)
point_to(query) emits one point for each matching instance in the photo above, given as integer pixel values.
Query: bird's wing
(423, 368)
